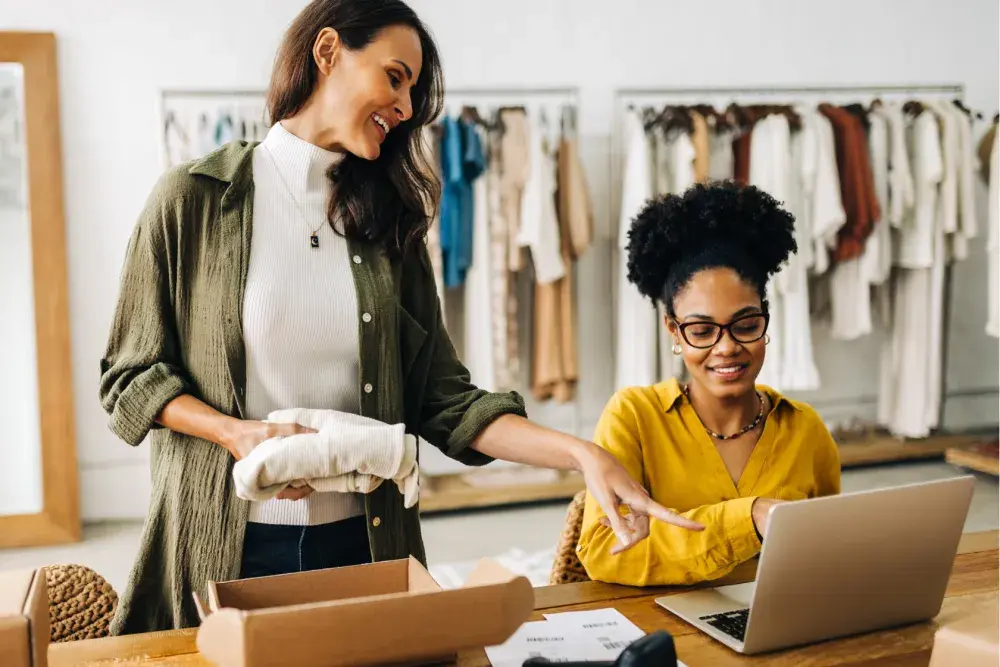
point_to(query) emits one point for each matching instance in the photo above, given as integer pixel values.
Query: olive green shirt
(177, 330)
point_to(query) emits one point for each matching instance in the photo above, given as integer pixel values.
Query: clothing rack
(627, 99)
(531, 98)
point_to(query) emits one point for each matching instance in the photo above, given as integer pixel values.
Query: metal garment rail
(626, 98)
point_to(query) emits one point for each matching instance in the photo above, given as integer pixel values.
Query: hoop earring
(677, 349)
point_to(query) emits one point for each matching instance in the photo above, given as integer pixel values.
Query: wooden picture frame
(59, 520)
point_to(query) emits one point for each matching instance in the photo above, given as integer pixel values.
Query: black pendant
(314, 241)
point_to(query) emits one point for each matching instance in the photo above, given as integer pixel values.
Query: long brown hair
(387, 201)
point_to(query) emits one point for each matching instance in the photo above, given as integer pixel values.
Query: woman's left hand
(611, 486)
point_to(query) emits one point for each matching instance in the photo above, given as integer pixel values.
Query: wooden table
(973, 585)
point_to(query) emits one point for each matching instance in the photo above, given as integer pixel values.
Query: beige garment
(555, 370)
(509, 164)
(702, 151)
(576, 216)
(516, 167)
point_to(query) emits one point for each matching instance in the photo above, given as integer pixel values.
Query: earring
(677, 349)
(767, 339)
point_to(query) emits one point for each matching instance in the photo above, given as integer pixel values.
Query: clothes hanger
(968, 112)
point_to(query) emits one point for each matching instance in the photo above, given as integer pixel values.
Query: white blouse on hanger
(906, 400)
(993, 243)
(967, 225)
(789, 364)
(636, 322)
(478, 312)
(539, 225)
(674, 174)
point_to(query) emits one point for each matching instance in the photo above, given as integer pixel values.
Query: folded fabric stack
(348, 454)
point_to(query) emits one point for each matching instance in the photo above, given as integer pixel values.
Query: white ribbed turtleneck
(300, 309)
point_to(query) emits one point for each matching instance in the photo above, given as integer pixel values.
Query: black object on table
(653, 650)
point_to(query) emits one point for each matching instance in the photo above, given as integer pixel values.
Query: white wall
(115, 55)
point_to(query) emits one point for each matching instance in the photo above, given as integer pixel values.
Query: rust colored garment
(741, 157)
(857, 186)
(555, 368)
(699, 138)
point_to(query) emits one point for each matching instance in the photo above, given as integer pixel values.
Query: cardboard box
(24, 619)
(973, 641)
(384, 613)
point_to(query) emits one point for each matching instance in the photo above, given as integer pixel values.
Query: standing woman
(293, 274)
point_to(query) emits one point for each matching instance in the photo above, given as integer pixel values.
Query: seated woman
(717, 448)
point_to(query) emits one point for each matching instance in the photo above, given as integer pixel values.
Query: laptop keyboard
(733, 623)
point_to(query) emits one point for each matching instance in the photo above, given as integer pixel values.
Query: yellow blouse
(656, 435)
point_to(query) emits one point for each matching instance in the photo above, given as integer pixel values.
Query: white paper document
(577, 636)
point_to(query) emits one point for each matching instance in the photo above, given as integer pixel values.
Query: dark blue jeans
(270, 549)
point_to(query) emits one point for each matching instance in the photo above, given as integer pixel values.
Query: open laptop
(838, 566)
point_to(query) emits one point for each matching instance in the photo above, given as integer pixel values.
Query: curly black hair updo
(720, 225)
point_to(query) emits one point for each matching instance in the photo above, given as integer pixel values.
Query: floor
(522, 539)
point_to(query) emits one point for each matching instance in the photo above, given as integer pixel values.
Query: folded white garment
(348, 454)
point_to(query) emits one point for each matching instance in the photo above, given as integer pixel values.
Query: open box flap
(14, 588)
(24, 617)
(379, 630)
(221, 638)
(37, 609)
(488, 572)
(317, 586)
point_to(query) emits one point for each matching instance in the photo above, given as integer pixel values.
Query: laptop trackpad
(697, 604)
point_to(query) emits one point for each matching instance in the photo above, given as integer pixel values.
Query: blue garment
(462, 162)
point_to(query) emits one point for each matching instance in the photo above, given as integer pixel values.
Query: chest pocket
(412, 340)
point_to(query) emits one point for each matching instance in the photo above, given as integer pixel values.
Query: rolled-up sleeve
(454, 410)
(142, 368)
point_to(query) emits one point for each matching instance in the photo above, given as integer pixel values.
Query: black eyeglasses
(746, 329)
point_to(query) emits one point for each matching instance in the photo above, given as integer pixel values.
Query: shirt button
(368, 388)
(357, 259)
(367, 317)
(376, 522)
(362, 467)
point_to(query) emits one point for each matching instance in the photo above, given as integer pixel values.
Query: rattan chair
(81, 603)
(567, 568)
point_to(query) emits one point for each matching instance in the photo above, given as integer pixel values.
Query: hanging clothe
(949, 214)
(636, 322)
(904, 392)
(823, 208)
(461, 164)
(857, 189)
(432, 145)
(877, 257)
(852, 279)
(967, 224)
(789, 362)
(993, 240)
(675, 173)
(556, 364)
(702, 151)
(741, 156)
(539, 231)
(478, 327)
(720, 155)
(514, 167)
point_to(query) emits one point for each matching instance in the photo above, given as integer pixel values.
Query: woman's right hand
(244, 436)
(761, 513)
